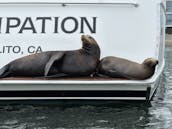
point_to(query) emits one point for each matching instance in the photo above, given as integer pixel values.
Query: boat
(131, 29)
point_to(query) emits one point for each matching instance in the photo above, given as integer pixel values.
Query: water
(95, 115)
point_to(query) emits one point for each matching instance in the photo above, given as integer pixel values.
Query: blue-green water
(95, 115)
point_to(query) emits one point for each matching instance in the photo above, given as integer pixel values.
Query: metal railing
(67, 2)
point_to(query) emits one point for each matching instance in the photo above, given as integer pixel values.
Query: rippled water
(95, 115)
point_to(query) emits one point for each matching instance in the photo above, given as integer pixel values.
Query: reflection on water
(118, 116)
(161, 107)
(105, 115)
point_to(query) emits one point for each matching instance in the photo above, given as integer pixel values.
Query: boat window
(169, 6)
(169, 19)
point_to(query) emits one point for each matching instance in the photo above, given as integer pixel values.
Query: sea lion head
(90, 45)
(88, 40)
(150, 62)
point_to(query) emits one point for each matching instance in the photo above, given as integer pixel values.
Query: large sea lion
(82, 62)
(122, 68)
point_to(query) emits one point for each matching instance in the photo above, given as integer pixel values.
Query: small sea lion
(122, 68)
(81, 62)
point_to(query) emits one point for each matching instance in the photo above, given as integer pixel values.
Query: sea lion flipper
(54, 58)
(4, 72)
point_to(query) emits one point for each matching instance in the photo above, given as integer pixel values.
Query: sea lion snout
(151, 62)
(157, 62)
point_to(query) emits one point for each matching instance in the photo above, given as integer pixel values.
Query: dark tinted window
(169, 6)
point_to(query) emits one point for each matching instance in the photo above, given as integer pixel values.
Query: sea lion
(122, 68)
(81, 62)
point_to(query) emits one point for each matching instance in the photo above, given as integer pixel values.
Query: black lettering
(56, 25)
(31, 49)
(31, 27)
(84, 23)
(75, 25)
(16, 49)
(8, 48)
(3, 49)
(43, 19)
(91, 28)
(39, 49)
(9, 25)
